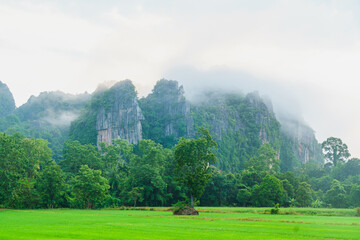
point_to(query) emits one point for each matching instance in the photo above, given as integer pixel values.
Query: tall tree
(11, 166)
(193, 157)
(147, 172)
(269, 192)
(355, 195)
(77, 154)
(335, 150)
(304, 194)
(336, 196)
(51, 184)
(90, 188)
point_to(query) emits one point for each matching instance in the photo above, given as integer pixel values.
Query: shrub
(275, 210)
(358, 211)
(180, 205)
(317, 204)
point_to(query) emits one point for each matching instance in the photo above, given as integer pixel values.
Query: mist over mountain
(46, 116)
(240, 123)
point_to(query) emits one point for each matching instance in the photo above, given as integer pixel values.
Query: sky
(304, 55)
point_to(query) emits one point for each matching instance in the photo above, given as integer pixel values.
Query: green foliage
(265, 160)
(181, 205)
(47, 117)
(51, 186)
(76, 154)
(323, 183)
(221, 190)
(83, 128)
(304, 195)
(358, 211)
(147, 171)
(244, 197)
(24, 195)
(236, 123)
(90, 188)
(355, 195)
(11, 166)
(344, 170)
(275, 210)
(246, 173)
(289, 188)
(268, 193)
(252, 178)
(335, 151)
(193, 157)
(21, 160)
(287, 156)
(135, 194)
(165, 113)
(336, 196)
(317, 204)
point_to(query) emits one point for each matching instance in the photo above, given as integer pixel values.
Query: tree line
(147, 174)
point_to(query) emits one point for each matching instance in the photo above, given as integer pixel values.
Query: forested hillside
(47, 116)
(240, 124)
(110, 149)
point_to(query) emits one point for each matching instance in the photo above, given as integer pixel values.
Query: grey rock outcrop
(302, 138)
(7, 103)
(119, 115)
(264, 117)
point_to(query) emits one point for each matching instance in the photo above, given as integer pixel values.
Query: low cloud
(62, 118)
(304, 54)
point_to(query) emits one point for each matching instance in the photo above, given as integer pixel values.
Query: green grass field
(212, 223)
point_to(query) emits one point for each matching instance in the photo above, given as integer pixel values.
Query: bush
(358, 211)
(113, 202)
(275, 210)
(317, 204)
(180, 205)
(184, 208)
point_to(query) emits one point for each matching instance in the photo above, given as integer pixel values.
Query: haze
(303, 54)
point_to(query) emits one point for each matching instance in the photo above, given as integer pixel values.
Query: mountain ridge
(239, 123)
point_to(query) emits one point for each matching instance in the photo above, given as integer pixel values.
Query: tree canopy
(193, 157)
(335, 151)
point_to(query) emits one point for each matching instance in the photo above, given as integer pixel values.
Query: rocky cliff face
(7, 103)
(119, 115)
(302, 140)
(265, 117)
(239, 125)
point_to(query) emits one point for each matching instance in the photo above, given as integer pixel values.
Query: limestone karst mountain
(239, 123)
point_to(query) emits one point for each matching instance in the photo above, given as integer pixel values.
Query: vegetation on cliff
(7, 103)
(259, 163)
(47, 116)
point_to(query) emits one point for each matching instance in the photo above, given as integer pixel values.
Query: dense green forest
(51, 156)
(46, 117)
(144, 174)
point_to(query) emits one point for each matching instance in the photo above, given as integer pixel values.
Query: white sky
(303, 54)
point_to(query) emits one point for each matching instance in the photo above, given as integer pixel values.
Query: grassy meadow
(212, 223)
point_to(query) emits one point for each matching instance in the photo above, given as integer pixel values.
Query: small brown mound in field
(186, 211)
